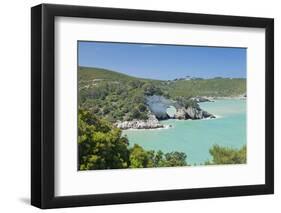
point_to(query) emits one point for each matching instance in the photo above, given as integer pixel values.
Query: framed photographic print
(140, 106)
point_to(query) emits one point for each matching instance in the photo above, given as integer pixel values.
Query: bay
(196, 137)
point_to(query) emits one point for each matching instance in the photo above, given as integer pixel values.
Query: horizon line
(181, 78)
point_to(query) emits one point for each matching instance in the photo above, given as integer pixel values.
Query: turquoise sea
(196, 137)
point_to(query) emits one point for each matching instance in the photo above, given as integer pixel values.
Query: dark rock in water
(208, 115)
(192, 113)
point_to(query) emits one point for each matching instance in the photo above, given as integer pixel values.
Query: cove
(196, 137)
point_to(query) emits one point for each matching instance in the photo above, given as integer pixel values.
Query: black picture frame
(43, 102)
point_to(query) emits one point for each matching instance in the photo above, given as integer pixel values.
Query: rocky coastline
(151, 123)
(158, 111)
(158, 106)
(192, 113)
(201, 99)
(212, 99)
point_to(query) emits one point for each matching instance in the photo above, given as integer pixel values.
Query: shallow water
(196, 137)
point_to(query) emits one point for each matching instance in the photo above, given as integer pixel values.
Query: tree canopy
(102, 146)
(226, 155)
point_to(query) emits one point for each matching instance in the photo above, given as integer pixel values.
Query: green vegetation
(88, 73)
(115, 96)
(225, 155)
(140, 158)
(101, 146)
(106, 96)
(217, 87)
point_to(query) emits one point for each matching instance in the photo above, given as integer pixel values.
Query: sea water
(196, 137)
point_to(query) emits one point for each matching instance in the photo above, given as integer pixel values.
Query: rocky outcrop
(180, 114)
(201, 99)
(192, 113)
(158, 106)
(150, 123)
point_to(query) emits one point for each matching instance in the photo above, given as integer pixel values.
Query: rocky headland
(192, 113)
(158, 106)
(200, 99)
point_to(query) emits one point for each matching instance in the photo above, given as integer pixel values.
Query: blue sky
(165, 62)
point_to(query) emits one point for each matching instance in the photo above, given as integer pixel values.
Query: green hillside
(115, 96)
(222, 87)
(86, 73)
(216, 87)
(106, 97)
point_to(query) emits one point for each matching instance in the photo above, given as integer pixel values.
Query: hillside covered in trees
(106, 97)
(116, 96)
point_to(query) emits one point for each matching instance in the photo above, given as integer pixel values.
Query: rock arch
(158, 105)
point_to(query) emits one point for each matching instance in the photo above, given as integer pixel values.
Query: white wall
(15, 106)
